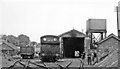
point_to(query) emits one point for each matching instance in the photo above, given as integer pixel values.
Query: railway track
(28, 64)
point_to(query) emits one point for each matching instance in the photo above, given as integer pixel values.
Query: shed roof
(8, 46)
(72, 32)
(108, 37)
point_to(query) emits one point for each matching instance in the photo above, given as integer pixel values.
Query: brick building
(108, 45)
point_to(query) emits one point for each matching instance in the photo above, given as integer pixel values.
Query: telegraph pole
(118, 29)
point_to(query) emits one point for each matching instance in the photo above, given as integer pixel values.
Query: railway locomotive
(50, 48)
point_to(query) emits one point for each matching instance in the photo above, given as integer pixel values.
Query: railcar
(50, 48)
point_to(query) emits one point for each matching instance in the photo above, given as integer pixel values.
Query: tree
(4, 37)
(33, 43)
(12, 39)
(23, 40)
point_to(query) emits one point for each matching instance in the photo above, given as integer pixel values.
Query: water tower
(96, 26)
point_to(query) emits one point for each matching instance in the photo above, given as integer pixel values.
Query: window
(55, 39)
(44, 39)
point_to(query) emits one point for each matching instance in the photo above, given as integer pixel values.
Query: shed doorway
(73, 47)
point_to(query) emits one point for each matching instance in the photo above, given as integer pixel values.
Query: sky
(36, 18)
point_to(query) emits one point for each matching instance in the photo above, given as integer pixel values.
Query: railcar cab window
(49, 40)
(55, 39)
(44, 39)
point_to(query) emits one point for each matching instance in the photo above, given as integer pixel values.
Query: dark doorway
(72, 44)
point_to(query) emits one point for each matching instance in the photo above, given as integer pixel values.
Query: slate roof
(108, 37)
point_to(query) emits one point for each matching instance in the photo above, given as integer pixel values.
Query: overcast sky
(36, 18)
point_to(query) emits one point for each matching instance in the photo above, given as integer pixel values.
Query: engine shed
(72, 44)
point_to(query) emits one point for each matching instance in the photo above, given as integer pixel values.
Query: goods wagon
(50, 48)
(27, 52)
